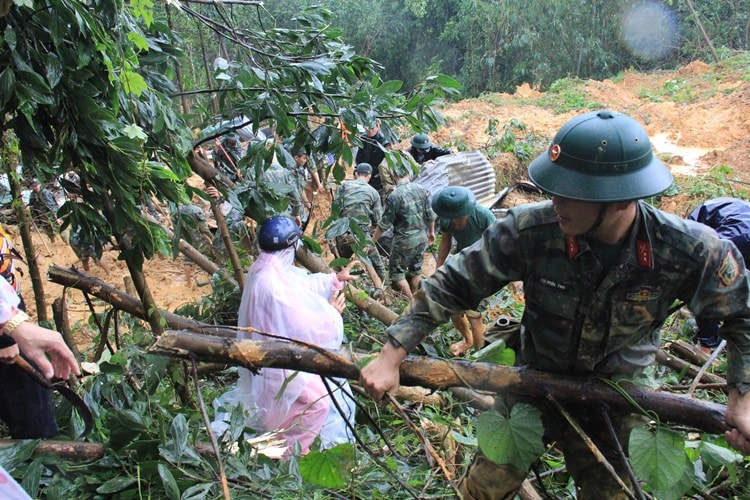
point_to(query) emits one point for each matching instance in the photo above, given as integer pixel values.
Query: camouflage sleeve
(389, 213)
(377, 210)
(724, 294)
(462, 282)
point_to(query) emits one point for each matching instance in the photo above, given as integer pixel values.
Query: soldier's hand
(738, 418)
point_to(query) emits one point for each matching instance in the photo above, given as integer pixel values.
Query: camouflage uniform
(479, 220)
(284, 182)
(227, 157)
(44, 211)
(192, 221)
(588, 319)
(359, 201)
(408, 210)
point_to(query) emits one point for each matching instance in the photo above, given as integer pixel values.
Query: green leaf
(196, 492)
(12, 456)
(170, 485)
(658, 457)
(7, 86)
(133, 131)
(133, 83)
(138, 40)
(116, 484)
(516, 439)
(328, 468)
(717, 456)
(32, 476)
(496, 353)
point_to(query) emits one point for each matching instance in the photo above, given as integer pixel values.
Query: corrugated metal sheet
(470, 169)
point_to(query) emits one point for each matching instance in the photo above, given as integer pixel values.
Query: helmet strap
(598, 222)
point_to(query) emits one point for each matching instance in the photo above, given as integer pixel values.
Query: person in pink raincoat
(286, 301)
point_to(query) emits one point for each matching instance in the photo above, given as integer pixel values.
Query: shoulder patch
(729, 270)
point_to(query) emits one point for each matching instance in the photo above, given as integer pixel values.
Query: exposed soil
(708, 129)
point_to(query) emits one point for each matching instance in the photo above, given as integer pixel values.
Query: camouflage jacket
(580, 318)
(284, 185)
(408, 210)
(360, 201)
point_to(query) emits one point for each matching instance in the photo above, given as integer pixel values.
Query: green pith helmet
(600, 156)
(421, 141)
(453, 202)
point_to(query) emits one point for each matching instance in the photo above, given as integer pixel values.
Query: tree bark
(72, 450)
(9, 162)
(438, 374)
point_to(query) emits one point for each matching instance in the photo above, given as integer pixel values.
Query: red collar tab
(571, 245)
(643, 251)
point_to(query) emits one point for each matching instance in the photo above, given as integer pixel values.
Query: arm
(431, 232)
(444, 248)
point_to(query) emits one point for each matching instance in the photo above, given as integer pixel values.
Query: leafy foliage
(514, 439)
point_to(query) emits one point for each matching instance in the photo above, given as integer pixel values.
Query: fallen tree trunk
(438, 374)
(92, 285)
(75, 450)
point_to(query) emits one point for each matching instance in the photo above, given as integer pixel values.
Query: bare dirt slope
(698, 117)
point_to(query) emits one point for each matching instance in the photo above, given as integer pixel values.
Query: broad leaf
(16, 454)
(328, 468)
(658, 457)
(170, 485)
(516, 439)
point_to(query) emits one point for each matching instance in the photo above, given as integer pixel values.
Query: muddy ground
(698, 117)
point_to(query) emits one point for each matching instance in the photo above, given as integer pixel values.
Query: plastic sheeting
(283, 300)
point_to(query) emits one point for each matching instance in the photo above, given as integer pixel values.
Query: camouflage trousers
(487, 480)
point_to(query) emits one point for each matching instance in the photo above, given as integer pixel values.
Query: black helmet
(600, 157)
(278, 232)
(453, 202)
(421, 141)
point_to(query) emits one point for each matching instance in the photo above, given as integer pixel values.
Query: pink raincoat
(283, 300)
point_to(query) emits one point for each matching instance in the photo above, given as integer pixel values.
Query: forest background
(113, 91)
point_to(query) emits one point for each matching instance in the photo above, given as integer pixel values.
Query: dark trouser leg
(592, 479)
(707, 334)
(25, 406)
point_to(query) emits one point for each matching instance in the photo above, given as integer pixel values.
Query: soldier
(190, 222)
(374, 144)
(601, 270)
(43, 208)
(408, 210)
(460, 218)
(358, 200)
(423, 150)
(227, 154)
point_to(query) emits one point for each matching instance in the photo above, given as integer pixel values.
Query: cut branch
(438, 374)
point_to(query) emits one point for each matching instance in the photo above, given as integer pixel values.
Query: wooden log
(439, 374)
(92, 285)
(73, 450)
(682, 366)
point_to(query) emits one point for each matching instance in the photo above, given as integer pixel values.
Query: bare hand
(38, 343)
(338, 301)
(345, 274)
(213, 192)
(382, 375)
(738, 418)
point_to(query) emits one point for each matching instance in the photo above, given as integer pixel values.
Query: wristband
(12, 324)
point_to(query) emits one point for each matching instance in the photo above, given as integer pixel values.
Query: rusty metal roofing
(470, 169)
